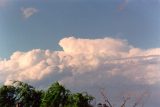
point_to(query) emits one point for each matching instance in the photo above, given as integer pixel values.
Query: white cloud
(28, 12)
(107, 58)
(86, 63)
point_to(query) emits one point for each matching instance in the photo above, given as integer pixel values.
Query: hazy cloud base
(87, 64)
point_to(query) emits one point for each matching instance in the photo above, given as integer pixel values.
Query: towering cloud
(85, 63)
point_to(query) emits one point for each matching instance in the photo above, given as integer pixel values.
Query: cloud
(107, 58)
(28, 12)
(86, 64)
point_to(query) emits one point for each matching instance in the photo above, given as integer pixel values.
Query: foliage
(58, 96)
(80, 100)
(55, 96)
(7, 96)
(27, 96)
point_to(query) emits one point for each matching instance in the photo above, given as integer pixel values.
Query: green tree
(27, 95)
(55, 96)
(58, 96)
(80, 100)
(7, 96)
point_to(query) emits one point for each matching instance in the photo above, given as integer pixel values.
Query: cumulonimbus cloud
(28, 12)
(85, 63)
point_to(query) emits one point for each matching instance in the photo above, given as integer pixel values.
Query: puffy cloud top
(106, 46)
(85, 63)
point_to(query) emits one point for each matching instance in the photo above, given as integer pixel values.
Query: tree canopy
(25, 95)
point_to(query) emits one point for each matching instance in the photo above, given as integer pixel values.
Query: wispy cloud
(28, 12)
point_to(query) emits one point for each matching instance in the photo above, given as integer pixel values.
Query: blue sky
(84, 44)
(138, 22)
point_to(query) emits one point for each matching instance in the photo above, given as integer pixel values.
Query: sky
(87, 45)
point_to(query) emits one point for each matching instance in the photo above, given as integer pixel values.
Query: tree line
(20, 94)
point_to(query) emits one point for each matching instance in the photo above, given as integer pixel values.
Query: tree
(139, 100)
(55, 96)
(7, 96)
(58, 96)
(27, 95)
(80, 100)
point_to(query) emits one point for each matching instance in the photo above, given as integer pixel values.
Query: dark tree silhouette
(27, 95)
(55, 96)
(58, 96)
(7, 96)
